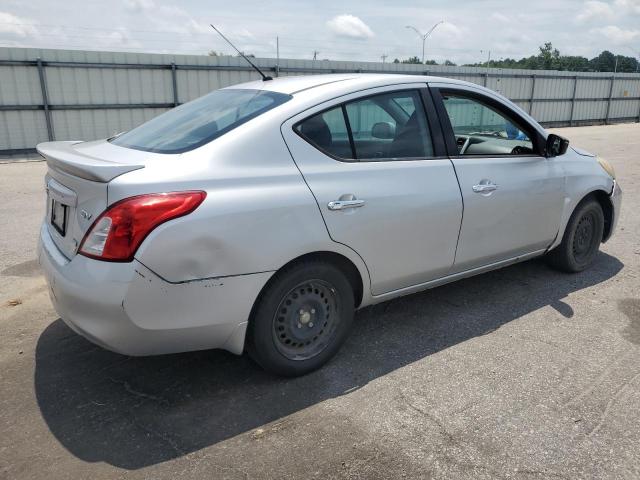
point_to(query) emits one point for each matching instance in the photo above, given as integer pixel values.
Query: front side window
(483, 130)
(200, 121)
(386, 126)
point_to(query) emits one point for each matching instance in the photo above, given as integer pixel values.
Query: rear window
(200, 121)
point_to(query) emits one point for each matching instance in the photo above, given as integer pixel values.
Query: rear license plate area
(59, 213)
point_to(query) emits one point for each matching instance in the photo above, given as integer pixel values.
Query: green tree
(549, 58)
(411, 60)
(605, 62)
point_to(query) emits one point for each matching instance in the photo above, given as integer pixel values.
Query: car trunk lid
(77, 178)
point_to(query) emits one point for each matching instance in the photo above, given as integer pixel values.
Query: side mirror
(556, 145)
(383, 130)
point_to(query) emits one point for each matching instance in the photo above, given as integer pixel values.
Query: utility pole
(384, 57)
(315, 54)
(277, 57)
(424, 36)
(488, 57)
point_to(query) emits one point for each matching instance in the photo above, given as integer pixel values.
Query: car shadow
(135, 412)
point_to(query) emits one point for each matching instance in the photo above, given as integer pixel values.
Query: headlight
(606, 167)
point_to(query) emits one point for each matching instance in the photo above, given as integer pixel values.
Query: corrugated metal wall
(93, 95)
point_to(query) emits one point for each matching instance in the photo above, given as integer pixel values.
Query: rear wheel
(302, 319)
(581, 239)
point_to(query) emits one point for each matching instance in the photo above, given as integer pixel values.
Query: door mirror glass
(383, 130)
(556, 145)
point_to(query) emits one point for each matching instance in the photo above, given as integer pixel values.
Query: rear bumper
(616, 202)
(127, 308)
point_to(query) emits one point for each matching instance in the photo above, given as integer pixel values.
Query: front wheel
(301, 319)
(581, 239)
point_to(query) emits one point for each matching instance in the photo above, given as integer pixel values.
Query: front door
(371, 164)
(513, 196)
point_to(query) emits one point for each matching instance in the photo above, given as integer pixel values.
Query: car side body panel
(520, 217)
(521, 213)
(583, 175)
(258, 215)
(407, 229)
(579, 172)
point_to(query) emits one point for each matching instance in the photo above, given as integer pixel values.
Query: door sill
(456, 276)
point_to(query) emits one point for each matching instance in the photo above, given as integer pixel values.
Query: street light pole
(424, 36)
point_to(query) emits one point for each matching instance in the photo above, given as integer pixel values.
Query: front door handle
(343, 204)
(485, 188)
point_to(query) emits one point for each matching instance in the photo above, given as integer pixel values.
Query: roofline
(292, 85)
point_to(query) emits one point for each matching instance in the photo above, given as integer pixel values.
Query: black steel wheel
(584, 239)
(581, 239)
(306, 319)
(301, 319)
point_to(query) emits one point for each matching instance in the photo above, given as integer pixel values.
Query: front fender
(584, 177)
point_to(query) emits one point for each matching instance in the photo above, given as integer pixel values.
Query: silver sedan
(261, 216)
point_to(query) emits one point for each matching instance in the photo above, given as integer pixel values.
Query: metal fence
(83, 95)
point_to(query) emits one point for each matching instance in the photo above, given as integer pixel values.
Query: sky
(336, 30)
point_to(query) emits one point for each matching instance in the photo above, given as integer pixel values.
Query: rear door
(513, 195)
(376, 164)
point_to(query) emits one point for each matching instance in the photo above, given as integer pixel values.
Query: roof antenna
(264, 77)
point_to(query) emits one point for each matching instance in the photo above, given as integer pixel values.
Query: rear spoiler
(63, 157)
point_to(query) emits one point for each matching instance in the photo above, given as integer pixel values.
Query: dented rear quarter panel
(259, 213)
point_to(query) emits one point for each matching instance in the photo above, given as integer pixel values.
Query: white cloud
(138, 5)
(629, 5)
(165, 17)
(617, 35)
(500, 17)
(596, 10)
(14, 25)
(349, 26)
(449, 30)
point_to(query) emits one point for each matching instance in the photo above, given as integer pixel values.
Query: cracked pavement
(519, 373)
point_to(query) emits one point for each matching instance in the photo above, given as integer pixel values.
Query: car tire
(301, 319)
(581, 239)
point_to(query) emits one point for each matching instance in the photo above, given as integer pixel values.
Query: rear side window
(379, 127)
(200, 121)
(328, 132)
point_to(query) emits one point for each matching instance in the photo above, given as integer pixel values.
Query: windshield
(200, 121)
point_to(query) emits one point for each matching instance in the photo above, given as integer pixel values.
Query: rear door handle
(485, 188)
(342, 204)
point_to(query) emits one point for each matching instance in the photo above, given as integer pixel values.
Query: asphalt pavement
(523, 373)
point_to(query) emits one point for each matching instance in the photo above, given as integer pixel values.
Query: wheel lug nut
(301, 311)
(310, 324)
(299, 325)
(313, 310)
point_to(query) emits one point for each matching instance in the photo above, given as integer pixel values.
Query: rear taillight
(118, 232)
